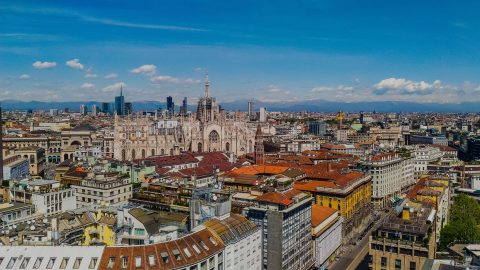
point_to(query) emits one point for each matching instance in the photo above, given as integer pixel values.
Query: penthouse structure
(405, 240)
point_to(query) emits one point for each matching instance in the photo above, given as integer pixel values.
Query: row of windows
(39, 263)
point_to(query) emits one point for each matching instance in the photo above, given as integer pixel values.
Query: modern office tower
(263, 114)
(66, 110)
(128, 108)
(120, 103)
(170, 107)
(53, 112)
(106, 107)
(251, 111)
(184, 109)
(83, 109)
(94, 110)
(318, 128)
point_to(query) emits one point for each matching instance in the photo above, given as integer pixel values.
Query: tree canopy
(464, 221)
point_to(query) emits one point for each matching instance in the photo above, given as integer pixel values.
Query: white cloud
(88, 86)
(91, 76)
(164, 79)
(404, 86)
(273, 88)
(191, 81)
(114, 87)
(145, 69)
(75, 64)
(44, 65)
(173, 80)
(342, 88)
(24, 77)
(111, 76)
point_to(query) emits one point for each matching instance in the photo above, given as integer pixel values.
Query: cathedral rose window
(213, 137)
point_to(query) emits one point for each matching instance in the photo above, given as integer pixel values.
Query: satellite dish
(32, 228)
(214, 197)
(216, 186)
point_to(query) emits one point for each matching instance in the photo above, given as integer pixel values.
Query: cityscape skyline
(69, 51)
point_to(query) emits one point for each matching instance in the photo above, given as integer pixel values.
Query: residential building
(390, 174)
(284, 219)
(335, 186)
(327, 235)
(103, 188)
(15, 167)
(36, 159)
(405, 239)
(48, 196)
(434, 189)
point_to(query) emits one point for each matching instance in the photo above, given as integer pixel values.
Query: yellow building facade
(101, 232)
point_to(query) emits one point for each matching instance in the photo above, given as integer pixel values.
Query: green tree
(464, 220)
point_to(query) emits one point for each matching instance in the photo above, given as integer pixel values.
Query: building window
(11, 263)
(111, 262)
(413, 266)
(124, 262)
(51, 262)
(151, 260)
(25, 262)
(37, 263)
(139, 231)
(398, 264)
(93, 263)
(383, 262)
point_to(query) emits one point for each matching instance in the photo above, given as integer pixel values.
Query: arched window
(153, 152)
(171, 152)
(250, 146)
(200, 149)
(133, 154)
(162, 152)
(65, 156)
(123, 154)
(143, 153)
(213, 137)
(227, 147)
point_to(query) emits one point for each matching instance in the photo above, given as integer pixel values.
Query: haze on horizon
(343, 51)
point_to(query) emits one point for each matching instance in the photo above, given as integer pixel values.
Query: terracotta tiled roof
(182, 252)
(284, 198)
(260, 169)
(320, 214)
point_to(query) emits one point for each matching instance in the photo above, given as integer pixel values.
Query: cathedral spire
(207, 84)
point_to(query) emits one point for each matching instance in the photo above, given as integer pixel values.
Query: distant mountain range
(310, 106)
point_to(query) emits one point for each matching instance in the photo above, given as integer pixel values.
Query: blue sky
(424, 51)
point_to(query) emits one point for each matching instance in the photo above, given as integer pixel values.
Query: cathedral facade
(209, 129)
